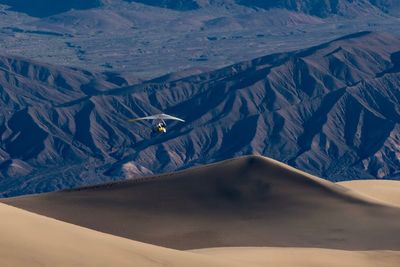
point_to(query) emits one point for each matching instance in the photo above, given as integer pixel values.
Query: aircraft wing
(157, 117)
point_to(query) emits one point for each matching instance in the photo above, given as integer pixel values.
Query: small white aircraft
(160, 125)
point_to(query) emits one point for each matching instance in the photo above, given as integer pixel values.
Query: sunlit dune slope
(249, 201)
(307, 257)
(28, 239)
(383, 190)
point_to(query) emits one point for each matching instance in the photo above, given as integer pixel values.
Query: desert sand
(250, 211)
(387, 191)
(304, 257)
(249, 201)
(29, 239)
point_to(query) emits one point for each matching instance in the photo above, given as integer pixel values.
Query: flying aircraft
(160, 125)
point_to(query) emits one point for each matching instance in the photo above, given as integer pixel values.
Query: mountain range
(331, 110)
(148, 39)
(322, 8)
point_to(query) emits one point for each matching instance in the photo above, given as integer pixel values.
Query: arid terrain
(204, 133)
(250, 211)
(315, 109)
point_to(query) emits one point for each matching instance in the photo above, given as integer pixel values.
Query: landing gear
(161, 127)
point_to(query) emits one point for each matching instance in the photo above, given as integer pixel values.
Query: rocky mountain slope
(182, 5)
(331, 110)
(320, 8)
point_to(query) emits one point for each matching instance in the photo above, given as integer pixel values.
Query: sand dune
(29, 239)
(309, 257)
(249, 201)
(387, 191)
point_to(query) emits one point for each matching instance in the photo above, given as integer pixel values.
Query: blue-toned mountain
(44, 8)
(321, 8)
(331, 110)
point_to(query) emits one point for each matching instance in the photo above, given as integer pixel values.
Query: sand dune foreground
(250, 211)
(29, 239)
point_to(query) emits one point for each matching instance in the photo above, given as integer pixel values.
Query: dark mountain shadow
(182, 5)
(45, 8)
